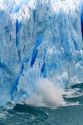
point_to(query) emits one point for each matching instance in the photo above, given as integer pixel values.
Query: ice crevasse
(39, 39)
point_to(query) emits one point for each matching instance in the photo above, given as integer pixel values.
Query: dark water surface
(27, 115)
(30, 115)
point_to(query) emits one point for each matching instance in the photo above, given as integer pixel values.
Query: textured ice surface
(39, 39)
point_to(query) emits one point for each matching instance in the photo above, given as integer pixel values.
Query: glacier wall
(82, 18)
(39, 39)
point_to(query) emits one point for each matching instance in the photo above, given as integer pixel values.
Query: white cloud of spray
(48, 94)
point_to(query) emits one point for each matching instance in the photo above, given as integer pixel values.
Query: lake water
(71, 114)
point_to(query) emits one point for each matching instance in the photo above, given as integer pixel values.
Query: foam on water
(48, 94)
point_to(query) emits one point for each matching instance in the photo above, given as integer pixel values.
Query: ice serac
(39, 39)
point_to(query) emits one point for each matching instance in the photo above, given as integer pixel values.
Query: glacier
(39, 39)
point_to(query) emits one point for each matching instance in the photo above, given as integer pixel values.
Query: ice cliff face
(82, 19)
(39, 39)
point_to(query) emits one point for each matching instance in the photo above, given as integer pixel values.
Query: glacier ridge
(39, 39)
